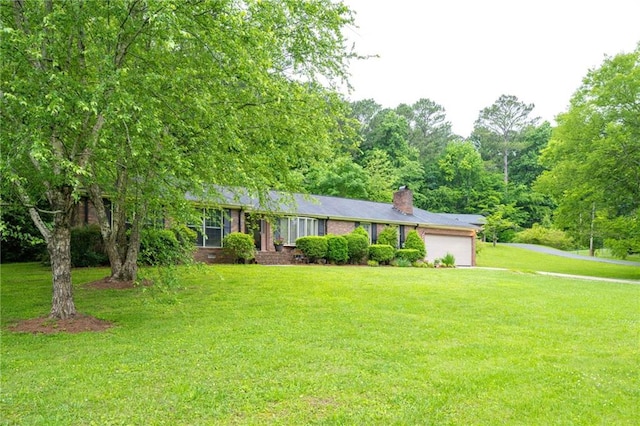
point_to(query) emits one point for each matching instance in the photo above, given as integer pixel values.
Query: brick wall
(339, 227)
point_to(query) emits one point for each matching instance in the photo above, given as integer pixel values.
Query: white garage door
(439, 245)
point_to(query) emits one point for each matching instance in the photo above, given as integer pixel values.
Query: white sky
(464, 54)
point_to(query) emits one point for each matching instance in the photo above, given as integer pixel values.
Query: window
(215, 225)
(292, 228)
(367, 227)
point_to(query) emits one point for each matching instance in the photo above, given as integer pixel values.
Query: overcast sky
(464, 54)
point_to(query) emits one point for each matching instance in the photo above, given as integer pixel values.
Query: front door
(253, 226)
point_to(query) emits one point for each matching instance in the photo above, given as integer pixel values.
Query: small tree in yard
(498, 222)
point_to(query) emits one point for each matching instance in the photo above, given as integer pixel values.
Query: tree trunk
(505, 165)
(59, 247)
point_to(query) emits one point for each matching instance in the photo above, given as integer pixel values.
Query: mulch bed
(79, 323)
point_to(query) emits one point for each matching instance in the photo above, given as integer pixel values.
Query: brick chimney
(403, 200)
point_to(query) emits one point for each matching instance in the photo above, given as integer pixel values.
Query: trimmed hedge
(358, 246)
(337, 249)
(240, 246)
(413, 241)
(381, 253)
(412, 255)
(314, 248)
(389, 236)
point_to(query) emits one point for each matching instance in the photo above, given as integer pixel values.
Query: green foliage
(20, 240)
(499, 130)
(401, 262)
(448, 260)
(361, 231)
(341, 177)
(389, 236)
(412, 255)
(358, 246)
(86, 247)
(337, 249)
(544, 236)
(373, 263)
(381, 253)
(143, 101)
(414, 241)
(313, 247)
(592, 159)
(240, 246)
(163, 247)
(500, 221)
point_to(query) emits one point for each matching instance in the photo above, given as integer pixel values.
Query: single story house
(288, 217)
(299, 215)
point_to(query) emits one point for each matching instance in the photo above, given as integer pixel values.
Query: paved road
(556, 252)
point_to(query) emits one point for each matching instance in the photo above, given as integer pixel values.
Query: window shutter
(401, 235)
(322, 227)
(226, 220)
(357, 224)
(374, 233)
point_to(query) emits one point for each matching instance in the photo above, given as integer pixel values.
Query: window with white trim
(292, 228)
(212, 229)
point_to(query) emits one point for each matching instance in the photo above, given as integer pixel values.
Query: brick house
(297, 215)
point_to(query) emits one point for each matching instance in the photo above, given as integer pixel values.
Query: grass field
(327, 345)
(520, 259)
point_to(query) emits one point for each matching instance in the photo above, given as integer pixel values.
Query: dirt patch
(78, 324)
(108, 284)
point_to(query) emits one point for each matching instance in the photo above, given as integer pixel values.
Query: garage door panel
(460, 247)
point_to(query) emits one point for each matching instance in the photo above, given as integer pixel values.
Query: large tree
(593, 158)
(429, 129)
(499, 130)
(137, 101)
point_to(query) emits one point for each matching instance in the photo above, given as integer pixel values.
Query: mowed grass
(327, 345)
(520, 259)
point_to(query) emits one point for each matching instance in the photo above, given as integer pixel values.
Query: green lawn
(328, 345)
(520, 259)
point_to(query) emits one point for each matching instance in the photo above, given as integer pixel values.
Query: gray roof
(329, 207)
(474, 219)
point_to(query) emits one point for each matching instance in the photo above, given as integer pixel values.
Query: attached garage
(461, 247)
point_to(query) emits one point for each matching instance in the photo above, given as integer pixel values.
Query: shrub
(240, 246)
(381, 253)
(414, 241)
(389, 236)
(361, 231)
(400, 262)
(337, 249)
(358, 246)
(166, 246)
(544, 236)
(314, 248)
(373, 263)
(87, 248)
(412, 255)
(448, 260)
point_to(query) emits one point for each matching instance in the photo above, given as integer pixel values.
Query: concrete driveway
(556, 252)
